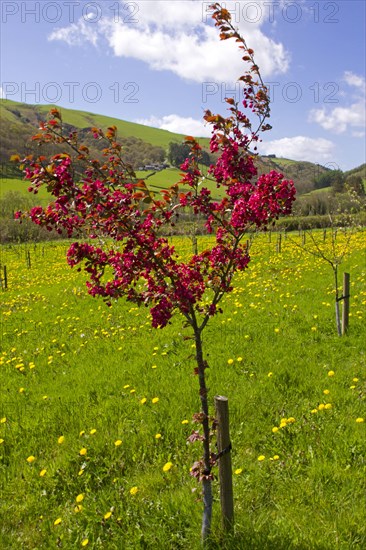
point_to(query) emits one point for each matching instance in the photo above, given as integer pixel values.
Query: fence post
(225, 471)
(345, 310)
(279, 241)
(5, 278)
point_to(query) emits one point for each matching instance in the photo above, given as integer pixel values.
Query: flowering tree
(118, 222)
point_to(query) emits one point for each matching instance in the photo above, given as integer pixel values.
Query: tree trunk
(338, 318)
(207, 483)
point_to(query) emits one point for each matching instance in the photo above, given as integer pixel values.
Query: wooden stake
(225, 472)
(279, 243)
(345, 311)
(5, 278)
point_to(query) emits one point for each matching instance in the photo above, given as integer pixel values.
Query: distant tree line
(339, 182)
(178, 152)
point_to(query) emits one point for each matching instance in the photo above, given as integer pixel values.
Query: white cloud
(76, 34)
(177, 124)
(354, 79)
(179, 37)
(340, 118)
(305, 148)
(359, 134)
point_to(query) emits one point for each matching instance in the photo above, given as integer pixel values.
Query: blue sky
(161, 63)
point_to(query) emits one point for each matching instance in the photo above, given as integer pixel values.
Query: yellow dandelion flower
(328, 406)
(57, 521)
(61, 439)
(239, 359)
(261, 457)
(291, 420)
(275, 429)
(314, 329)
(21, 390)
(80, 497)
(275, 457)
(132, 391)
(321, 407)
(3, 420)
(167, 466)
(313, 411)
(270, 374)
(42, 473)
(157, 436)
(331, 373)
(107, 515)
(31, 459)
(1, 441)
(80, 472)
(238, 471)
(326, 392)
(184, 421)
(277, 330)
(126, 386)
(134, 490)
(354, 379)
(360, 420)
(93, 431)
(154, 367)
(230, 361)
(83, 451)
(78, 508)
(85, 542)
(352, 387)
(143, 400)
(118, 443)
(82, 433)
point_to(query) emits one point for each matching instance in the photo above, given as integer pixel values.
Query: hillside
(142, 144)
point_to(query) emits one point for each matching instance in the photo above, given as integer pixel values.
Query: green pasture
(21, 186)
(96, 407)
(159, 180)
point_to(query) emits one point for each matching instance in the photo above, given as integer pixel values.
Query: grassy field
(96, 407)
(160, 180)
(21, 186)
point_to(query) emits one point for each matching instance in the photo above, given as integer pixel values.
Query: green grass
(69, 365)
(160, 180)
(166, 178)
(19, 186)
(283, 161)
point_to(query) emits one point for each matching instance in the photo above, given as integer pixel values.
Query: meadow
(96, 408)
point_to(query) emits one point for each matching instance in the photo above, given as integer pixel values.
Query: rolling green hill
(19, 121)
